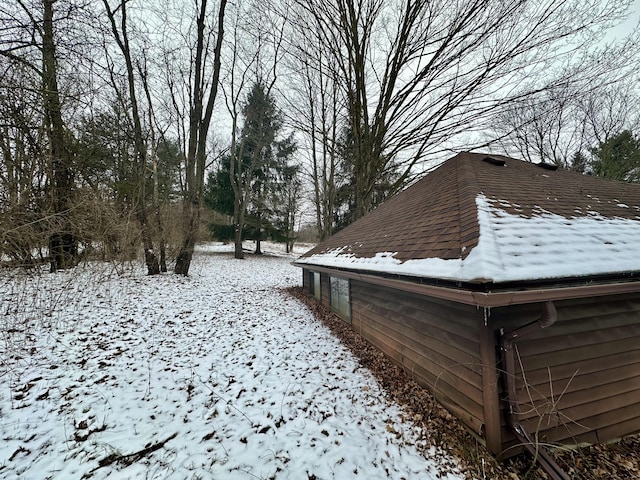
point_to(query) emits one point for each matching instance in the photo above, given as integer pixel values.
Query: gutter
(484, 299)
(548, 317)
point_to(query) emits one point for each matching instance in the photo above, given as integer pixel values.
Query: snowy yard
(214, 376)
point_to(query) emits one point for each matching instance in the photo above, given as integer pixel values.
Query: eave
(490, 295)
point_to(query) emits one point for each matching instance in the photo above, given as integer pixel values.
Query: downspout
(548, 317)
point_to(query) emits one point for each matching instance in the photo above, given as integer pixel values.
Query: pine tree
(618, 157)
(249, 182)
(579, 162)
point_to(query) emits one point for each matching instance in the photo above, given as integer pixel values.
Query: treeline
(120, 121)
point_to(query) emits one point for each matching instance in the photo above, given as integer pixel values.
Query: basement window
(312, 284)
(339, 297)
(315, 285)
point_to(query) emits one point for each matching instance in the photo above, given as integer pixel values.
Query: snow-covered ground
(215, 376)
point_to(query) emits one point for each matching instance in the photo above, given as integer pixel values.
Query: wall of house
(578, 380)
(443, 345)
(324, 288)
(435, 341)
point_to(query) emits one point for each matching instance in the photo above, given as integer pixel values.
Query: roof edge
(486, 298)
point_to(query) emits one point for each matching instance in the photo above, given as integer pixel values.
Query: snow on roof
(482, 222)
(581, 246)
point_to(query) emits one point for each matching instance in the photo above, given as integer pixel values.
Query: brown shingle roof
(437, 217)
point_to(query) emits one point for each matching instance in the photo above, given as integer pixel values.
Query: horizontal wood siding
(324, 290)
(435, 341)
(305, 280)
(579, 380)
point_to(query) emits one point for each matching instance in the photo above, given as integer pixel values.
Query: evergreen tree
(249, 182)
(266, 215)
(579, 162)
(618, 157)
(388, 182)
(219, 197)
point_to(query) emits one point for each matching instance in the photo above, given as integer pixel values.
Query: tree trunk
(150, 259)
(163, 256)
(162, 241)
(191, 221)
(63, 251)
(156, 188)
(258, 250)
(63, 246)
(238, 226)
(140, 155)
(237, 243)
(199, 122)
(158, 214)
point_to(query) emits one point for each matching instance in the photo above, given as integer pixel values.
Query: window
(309, 280)
(315, 285)
(340, 297)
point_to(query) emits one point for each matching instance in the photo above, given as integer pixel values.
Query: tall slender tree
(63, 245)
(288, 206)
(314, 110)
(204, 89)
(120, 31)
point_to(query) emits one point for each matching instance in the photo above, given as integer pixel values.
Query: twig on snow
(131, 458)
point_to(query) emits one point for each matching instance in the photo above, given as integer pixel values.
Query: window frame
(340, 297)
(316, 289)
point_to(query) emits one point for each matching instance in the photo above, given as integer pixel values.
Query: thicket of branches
(384, 86)
(113, 111)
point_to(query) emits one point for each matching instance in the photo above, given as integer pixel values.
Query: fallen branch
(131, 458)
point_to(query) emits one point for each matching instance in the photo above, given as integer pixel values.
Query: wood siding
(325, 290)
(306, 285)
(579, 380)
(435, 341)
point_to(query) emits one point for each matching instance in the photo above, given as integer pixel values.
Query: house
(511, 290)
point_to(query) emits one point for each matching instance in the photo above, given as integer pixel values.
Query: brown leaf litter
(616, 461)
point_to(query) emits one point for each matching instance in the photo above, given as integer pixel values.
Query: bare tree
(193, 87)
(290, 205)
(611, 109)
(154, 141)
(561, 125)
(314, 110)
(118, 20)
(203, 90)
(546, 128)
(23, 171)
(28, 40)
(416, 75)
(63, 246)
